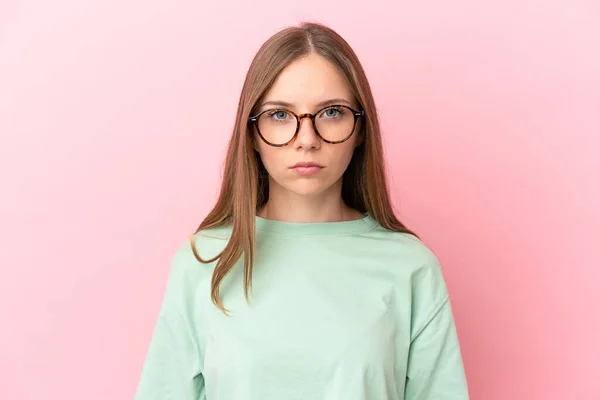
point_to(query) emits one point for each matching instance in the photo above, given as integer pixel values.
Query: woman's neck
(305, 209)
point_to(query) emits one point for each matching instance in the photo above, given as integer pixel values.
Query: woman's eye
(278, 115)
(332, 112)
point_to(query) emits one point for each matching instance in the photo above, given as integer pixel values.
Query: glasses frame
(299, 118)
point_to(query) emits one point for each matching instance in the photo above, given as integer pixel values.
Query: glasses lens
(335, 123)
(277, 126)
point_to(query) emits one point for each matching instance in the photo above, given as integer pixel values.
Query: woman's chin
(307, 188)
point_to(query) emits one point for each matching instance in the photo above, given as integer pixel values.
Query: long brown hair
(245, 189)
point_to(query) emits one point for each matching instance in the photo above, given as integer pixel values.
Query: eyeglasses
(333, 124)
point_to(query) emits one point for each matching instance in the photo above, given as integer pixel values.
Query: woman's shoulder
(405, 246)
(416, 261)
(195, 254)
(209, 243)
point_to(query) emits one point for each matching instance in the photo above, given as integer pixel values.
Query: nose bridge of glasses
(309, 116)
(305, 115)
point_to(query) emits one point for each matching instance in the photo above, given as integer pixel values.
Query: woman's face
(306, 86)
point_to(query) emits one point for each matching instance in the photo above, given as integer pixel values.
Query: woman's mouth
(307, 168)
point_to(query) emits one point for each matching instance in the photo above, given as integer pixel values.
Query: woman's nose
(307, 137)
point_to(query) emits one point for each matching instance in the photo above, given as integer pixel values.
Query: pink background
(114, 116)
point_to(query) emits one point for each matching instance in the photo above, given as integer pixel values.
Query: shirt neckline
(315, 228)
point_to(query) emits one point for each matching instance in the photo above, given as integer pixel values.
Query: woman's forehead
(309, 81)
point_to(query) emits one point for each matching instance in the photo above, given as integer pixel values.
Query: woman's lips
(307, 168)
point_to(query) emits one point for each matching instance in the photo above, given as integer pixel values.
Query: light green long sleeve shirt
(338, 311)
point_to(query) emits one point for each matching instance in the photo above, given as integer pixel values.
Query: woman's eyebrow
(334, 101)
(279, 103)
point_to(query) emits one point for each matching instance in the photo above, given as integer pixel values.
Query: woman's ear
(253, 135)
(361, 135)
(360, 139)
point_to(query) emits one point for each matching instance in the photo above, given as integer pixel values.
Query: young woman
(301, 283)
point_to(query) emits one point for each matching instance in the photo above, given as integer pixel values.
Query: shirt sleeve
(435, 368)
(172, 367)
